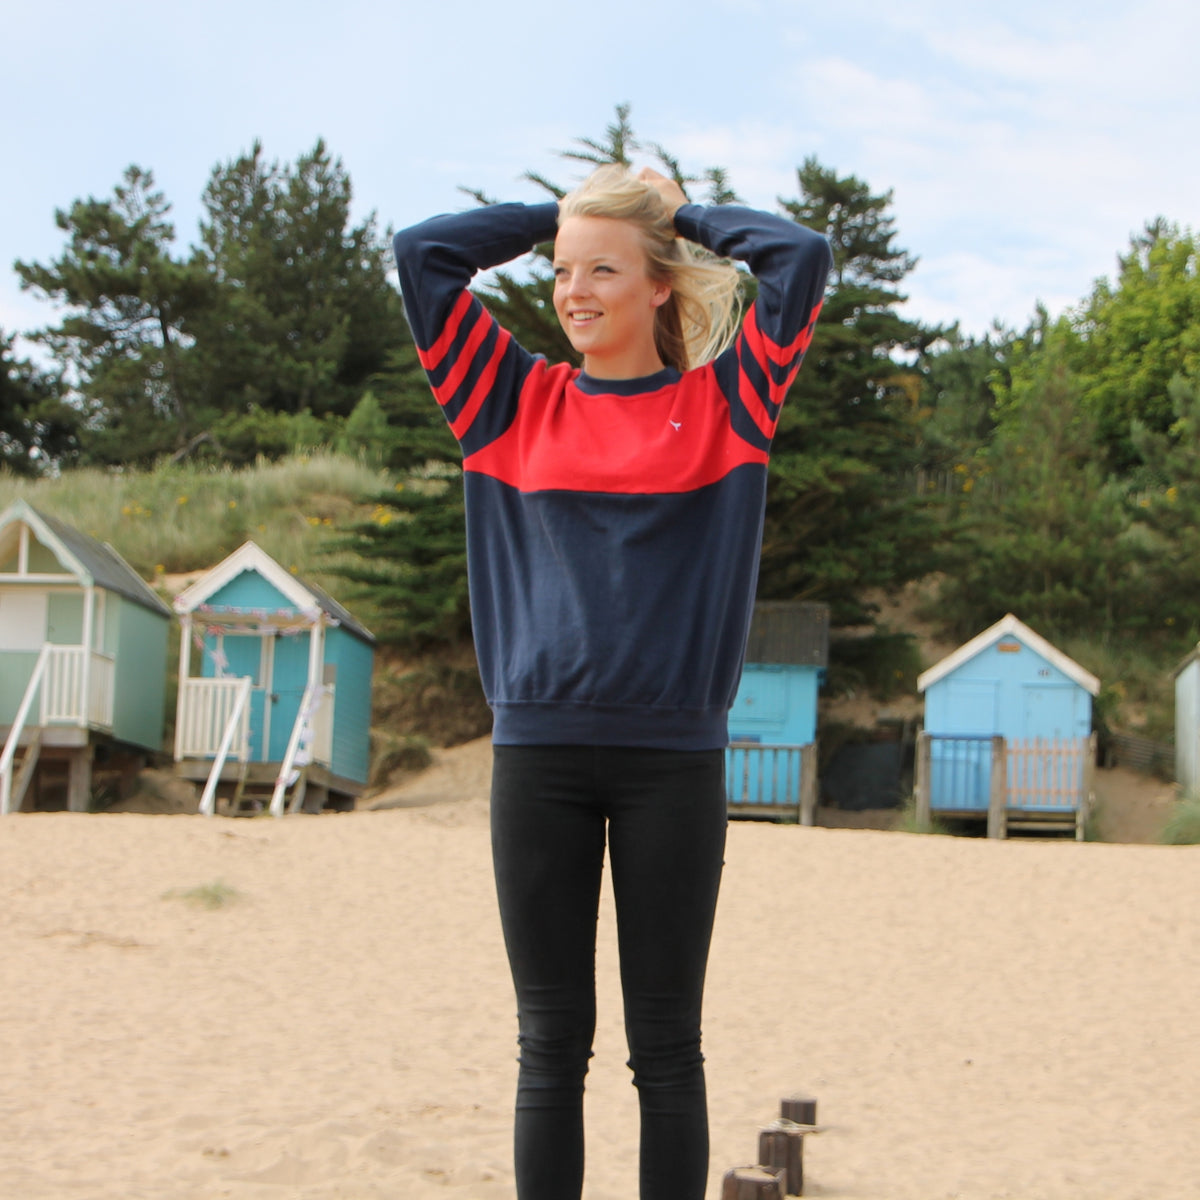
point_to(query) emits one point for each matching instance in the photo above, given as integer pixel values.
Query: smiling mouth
(583, 316)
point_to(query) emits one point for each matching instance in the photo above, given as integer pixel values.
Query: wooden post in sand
(781, 1146)
(923, 784)
(801, 1109)
(997, 824)
(808, 784)
(780, 1169)
(753, 1183)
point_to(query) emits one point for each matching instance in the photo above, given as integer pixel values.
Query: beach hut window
(22, 620)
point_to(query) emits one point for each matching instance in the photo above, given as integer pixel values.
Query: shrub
(1183, 828)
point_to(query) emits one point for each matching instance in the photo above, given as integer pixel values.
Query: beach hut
(1008, 733)
(771, 762)
(274, 705)
(83, 656)
(1187, 723)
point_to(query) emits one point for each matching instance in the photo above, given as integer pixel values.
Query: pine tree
(842, 513)
(125, 338)
(305, 314)
(409, 557)
(38, 430)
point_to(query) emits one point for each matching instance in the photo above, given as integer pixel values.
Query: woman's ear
(662, 293)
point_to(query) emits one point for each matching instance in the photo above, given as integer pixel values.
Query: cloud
(976, 289)
(760, 156)
(1013, 152)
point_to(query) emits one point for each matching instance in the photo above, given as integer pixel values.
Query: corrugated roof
(108, 570)
(793, 632)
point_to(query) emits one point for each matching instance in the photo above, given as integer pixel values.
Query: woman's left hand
(671, 193)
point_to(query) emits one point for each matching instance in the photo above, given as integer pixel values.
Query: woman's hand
(671, 193)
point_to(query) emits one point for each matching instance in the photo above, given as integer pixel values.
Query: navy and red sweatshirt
(613, 527)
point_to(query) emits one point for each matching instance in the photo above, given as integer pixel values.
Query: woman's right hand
(672, 194)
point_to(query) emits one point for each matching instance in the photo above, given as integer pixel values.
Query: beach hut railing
(959, 769)
(205, 709)
(237, 730)
(301, 748)
(74, 686)
(1048, 774)
(9, 753)
(996, 776)
(73, 672)
(772, 776)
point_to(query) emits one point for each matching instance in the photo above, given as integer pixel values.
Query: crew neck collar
(626, 387)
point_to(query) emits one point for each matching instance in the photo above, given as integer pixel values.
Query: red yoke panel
(675, 439)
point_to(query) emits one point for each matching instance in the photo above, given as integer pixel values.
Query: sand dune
(977, 1019)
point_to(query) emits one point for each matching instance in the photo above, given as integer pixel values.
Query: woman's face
(605, 298)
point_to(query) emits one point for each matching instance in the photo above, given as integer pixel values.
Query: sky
(1023, 147)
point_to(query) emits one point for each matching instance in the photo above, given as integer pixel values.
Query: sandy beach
(319, 1007)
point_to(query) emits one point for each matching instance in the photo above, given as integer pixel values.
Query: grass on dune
(186, 518)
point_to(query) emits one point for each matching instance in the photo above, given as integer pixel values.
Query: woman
(614, 517)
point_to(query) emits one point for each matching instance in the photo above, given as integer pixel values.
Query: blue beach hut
(83, 664)
(770, 766)
(1008, 733)
(274, 700)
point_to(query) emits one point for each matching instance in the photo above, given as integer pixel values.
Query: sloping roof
(1009, 626)
(89, 560)
(1186, 662)
(794, 632)
(251, 557)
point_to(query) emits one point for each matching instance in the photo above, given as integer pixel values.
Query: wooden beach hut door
(1053, 777)
(288, 681)
(1050, 710)
(250, 654)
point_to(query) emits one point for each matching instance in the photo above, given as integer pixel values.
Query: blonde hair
(701, 316)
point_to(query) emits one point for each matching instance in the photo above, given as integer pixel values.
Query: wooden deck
(1038, 785)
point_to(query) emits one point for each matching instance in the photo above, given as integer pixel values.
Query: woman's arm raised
(791, 264)
(474, 366)
(438, 258)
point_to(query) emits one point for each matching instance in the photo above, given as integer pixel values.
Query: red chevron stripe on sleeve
(448, 388)
(430, 359)
(483, 385)
(765, 350)
(752, 402)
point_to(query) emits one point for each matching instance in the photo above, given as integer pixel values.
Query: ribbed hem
(588, 725)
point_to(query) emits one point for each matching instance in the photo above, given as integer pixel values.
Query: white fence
(205, 706)
(69, 669)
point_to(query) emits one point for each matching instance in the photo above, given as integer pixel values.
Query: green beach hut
(83, 664)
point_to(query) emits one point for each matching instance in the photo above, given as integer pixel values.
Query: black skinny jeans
(665, 816)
